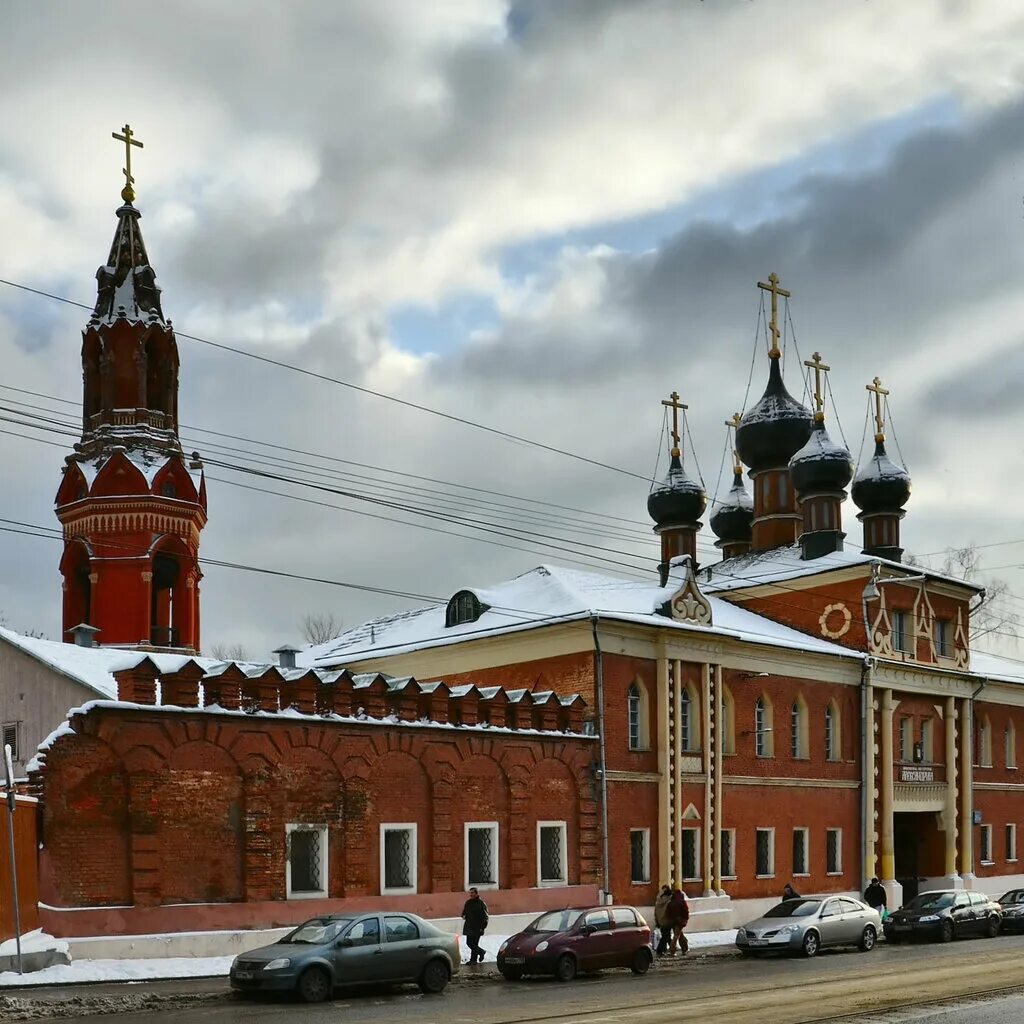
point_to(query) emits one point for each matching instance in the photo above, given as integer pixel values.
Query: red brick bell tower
(130, 504)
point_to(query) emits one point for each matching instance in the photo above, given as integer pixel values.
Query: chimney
(286, 655)
(83, 635)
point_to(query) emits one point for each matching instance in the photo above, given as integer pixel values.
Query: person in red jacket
(677, 914)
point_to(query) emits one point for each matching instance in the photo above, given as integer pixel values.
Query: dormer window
(465, 606)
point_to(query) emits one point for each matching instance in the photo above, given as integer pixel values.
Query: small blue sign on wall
(977, 817)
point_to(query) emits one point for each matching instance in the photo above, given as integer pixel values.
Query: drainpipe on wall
(867, 760)
(602, 764)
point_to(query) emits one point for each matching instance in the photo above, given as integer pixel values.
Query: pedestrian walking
(789, 893)
(474, 917)
(661, 919)
(677, 913)
(874, 897)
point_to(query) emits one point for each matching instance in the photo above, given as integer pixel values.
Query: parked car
(1012, 904)
(350, 949)
(568, 942)
(808, 925)
(945, 914)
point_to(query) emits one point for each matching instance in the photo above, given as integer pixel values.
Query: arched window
(831, 732)
(727, 722)
(763, 727)
(686, 719)
(985, 742)
(465, 606)
(633, 709)
(798, 728)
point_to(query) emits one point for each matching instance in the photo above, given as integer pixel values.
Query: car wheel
(868, 937)
(993, 927)
(641, 961)
(811, 944)
(946, 931)
(512, 973)
(434, 978)
(565, 968)
(314, 985)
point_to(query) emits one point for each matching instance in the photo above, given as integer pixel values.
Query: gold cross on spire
(675, 405)
(773, 325)
(733, 425)
(820, 369)
(127, 193)
(879, 392)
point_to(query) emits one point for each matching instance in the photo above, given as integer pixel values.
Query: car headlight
(788, 929)
(541, 946)
(928, 918)
(279, 964)
(741, 933)
(503, 946)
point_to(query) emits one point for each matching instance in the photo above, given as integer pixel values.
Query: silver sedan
(808, 925)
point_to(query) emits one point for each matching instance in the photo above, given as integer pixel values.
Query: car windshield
(1014, 896)
(794, 908)
(555, 921)
(317, 932)
(931, 901)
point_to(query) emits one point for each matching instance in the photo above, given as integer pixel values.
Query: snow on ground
(81, 971)
(33, 942)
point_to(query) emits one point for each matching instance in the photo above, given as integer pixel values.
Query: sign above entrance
(917, 774)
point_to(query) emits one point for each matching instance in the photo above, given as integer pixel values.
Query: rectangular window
(551, 853)
(927, 746)
(834, 851)
(986, 844)
(481, 842)
(10, 738)
(306, 866)
(727, 852)
(800, 851)
(633, 714)
(900, 632)
(1011, 842)
(765, 852)
(685, 734)
(906, 738)
(944, 638)
(690, 839)
(398, 928)
(639, 855)
(398, 858)
(1010, 745)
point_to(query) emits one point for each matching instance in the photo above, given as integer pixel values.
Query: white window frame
(771, 851)
(807, 853)
(492, 827)
(646, 833)
(697, 847)
(728, 837)
(400, 826)
(986, 840)
(839, 852)
(313, 894)
(1011, 834)
(553, 883)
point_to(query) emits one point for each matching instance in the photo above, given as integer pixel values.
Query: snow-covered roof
(997, 667)
(548, 595)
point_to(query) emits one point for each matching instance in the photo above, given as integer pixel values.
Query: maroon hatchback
(569, 942)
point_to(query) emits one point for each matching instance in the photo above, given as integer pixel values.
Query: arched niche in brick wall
(480, 794)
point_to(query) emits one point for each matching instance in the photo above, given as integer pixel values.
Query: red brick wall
(565, 674)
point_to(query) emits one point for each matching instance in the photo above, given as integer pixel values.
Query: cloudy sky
(538, 216)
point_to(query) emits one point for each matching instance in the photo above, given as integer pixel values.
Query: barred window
(690, 839)
(551, 853)
(1011, 842)
(685, 706)
(482, 854)
(834, 851)
(764, 848)
(799, 851)
(726, 852)
(639, 855)
(633, 712)
(398, 858)
(986, 844)
(794, 725)
(306, 866)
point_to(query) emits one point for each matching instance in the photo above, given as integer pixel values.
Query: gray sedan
(350, 949)
(807, 925)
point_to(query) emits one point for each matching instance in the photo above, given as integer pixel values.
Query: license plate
(244, 975)
(515, 959)
(903, 927)
(757, 942)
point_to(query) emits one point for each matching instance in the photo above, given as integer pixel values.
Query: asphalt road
(726, 988)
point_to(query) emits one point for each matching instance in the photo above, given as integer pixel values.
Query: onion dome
(821, 465)
(734, 517)
(679, 501)
(774, 429)
(881, 486)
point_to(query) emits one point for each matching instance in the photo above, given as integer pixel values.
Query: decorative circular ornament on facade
(835, 621)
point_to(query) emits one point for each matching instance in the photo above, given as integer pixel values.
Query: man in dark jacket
(789, 893)
(677, 914)
(874, 896)
(474, 917)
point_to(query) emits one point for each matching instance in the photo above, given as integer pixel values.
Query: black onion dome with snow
(774, 429)
(126, 287)
(678, 501)
(733, 519)
(821, 465)
(881, 486)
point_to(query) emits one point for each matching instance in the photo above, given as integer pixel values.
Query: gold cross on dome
(773, 325)
(127, 193)
(879, 392)
(820, 369)
(733, 425)
(675, 405)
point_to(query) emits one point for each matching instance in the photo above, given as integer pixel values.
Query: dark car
(945, 914)
(350, 949)
(1012, 903)
(567, 942)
